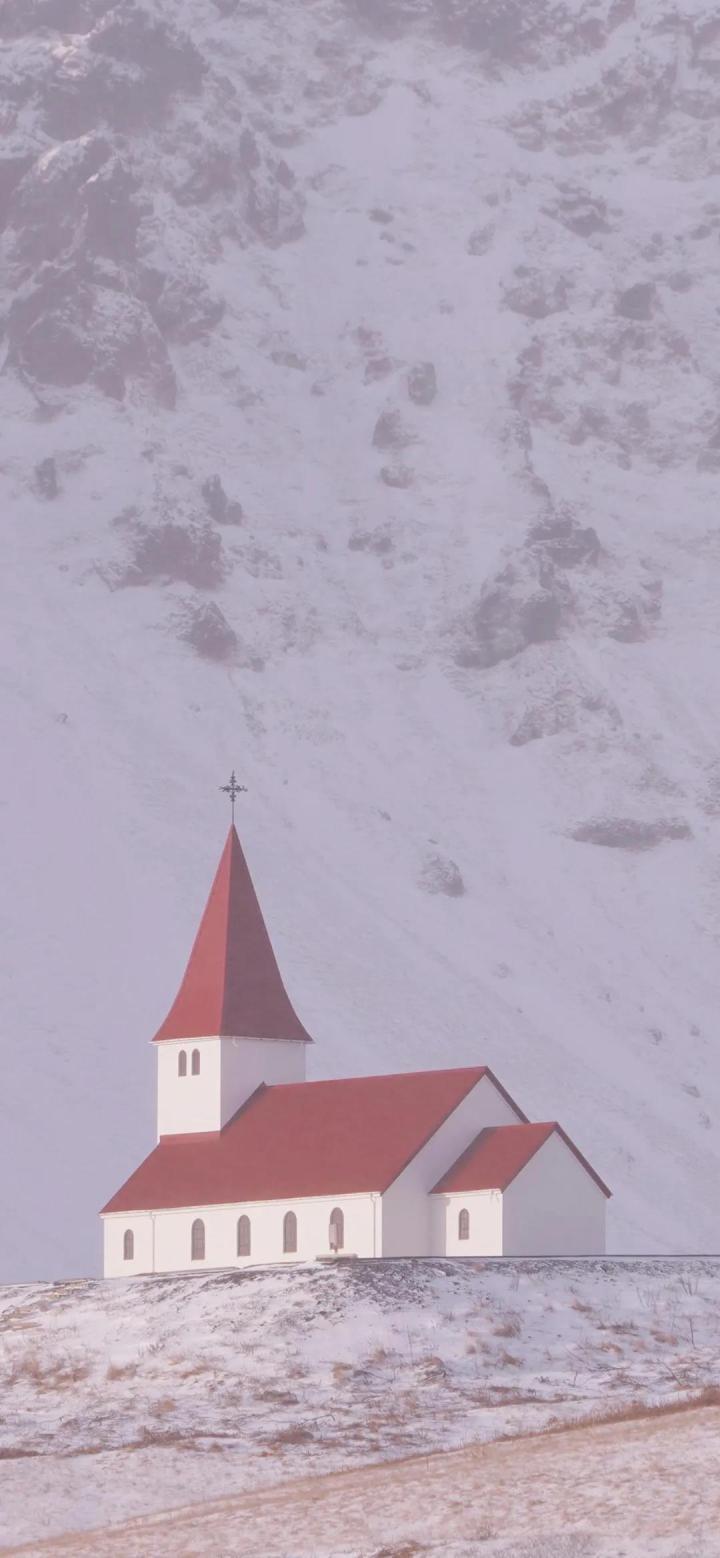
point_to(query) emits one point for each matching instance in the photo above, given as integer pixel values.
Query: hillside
(125, 1399)
(359, 429)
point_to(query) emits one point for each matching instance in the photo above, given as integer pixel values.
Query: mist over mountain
(360, 428)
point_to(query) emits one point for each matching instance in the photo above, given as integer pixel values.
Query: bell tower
(232, 1024)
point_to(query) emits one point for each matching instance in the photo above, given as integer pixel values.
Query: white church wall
(248, 1062)
(438, 1236)
(173, 1230)
(188, 1103)
(139, 1224)
(553, 1206)
(230, 1070)
(485, 1215)
(408, 1220)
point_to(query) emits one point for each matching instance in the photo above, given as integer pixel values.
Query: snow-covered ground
(358, 428)
(122, 1400)
(640, 1489)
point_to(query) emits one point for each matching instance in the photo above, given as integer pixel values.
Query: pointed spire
(232, 984)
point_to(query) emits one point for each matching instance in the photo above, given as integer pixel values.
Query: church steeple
(232, 985)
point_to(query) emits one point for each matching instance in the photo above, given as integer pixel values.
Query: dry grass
(118, 1371)
(162, 1406)
(295, 1434)
(404, 1550)
(193, 1371)
(433, 1368)
(280, 1398)
(161, 1439)
(509, 1327)
(32, 1370)
(639, 1411)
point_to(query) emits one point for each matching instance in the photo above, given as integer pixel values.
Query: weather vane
(233, 789)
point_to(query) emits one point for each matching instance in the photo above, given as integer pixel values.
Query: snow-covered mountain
(359, 428)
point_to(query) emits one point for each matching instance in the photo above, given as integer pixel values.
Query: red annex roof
(494, 1159)
(232, 984)
(302, 1139)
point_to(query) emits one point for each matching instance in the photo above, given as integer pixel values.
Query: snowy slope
(125, 1398)
(359, 429)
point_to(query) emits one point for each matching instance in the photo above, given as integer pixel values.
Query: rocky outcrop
(636, 302)
(530, 598)
(536, 294)
(94, 294)
(422, 383)
(208, 632)
(559, 576)
(221, 508)
(390, 432)
(440, 874)
(630, 832)
(500, 33)
(74, 326)
(170, 552)
(522, 605)
(46, 478)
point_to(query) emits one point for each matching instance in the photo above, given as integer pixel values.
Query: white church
(254, 1164)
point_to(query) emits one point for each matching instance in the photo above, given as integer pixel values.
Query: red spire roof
(232, 984)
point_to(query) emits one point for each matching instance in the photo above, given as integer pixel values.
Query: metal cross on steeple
(233, 789)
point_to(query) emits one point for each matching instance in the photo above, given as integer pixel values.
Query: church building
(254, 1164)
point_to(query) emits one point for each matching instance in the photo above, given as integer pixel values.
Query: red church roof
(302, 1139)
(496, 1156)
(232, 984)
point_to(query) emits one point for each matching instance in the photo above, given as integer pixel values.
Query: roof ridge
(383, 1076)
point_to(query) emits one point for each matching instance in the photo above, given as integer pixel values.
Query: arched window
(463, 1224)
(195, 1066)
(128, 1244)
(197, 1240)
(243, 1236)
(337, 1229)
(182, 1064)
(289, 1234)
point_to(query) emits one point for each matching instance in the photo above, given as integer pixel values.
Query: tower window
(195, 1063)
(182, 1064)
(243, 1236)
(197, 1240)
(290, 1234)
(337, 1229)
(128, 1244)
(463, 1224)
